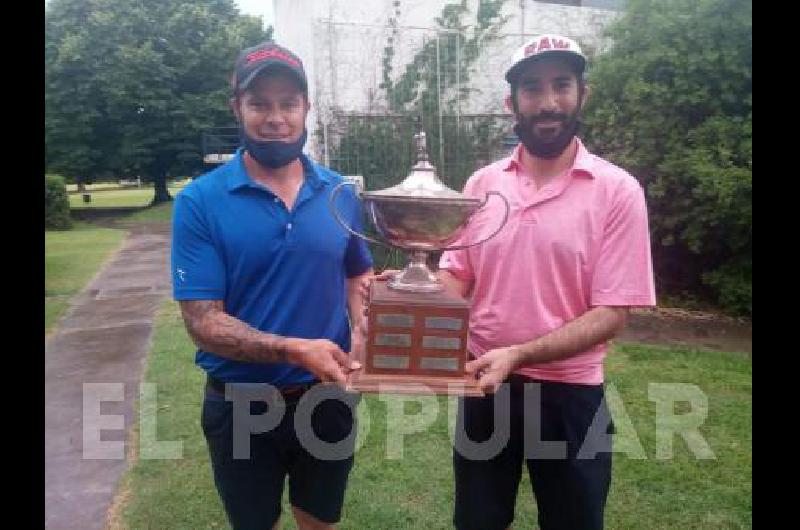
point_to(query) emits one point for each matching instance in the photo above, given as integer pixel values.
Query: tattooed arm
(214, 330)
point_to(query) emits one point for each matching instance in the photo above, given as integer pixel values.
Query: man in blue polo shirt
(266, 279)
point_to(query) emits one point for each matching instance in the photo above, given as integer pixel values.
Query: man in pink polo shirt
(547, 295)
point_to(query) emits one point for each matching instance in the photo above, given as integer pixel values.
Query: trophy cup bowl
(420, 215)
(417, 330)
(419, 226)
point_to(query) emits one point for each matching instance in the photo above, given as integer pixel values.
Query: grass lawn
(119, 197)
(71, 259)
(159, 213)
(416, 491)
(100, 186)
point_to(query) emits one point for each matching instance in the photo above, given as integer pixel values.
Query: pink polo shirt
(578, 242)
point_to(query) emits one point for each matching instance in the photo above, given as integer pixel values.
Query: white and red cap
(546, 46)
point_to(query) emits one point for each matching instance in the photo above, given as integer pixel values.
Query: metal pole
(325, 138)
(330, 100)
(439, 92)
(458, 81)
(331, 63)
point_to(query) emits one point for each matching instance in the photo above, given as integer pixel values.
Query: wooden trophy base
(416, 344)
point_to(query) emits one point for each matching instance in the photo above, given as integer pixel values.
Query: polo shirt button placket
(529, 214)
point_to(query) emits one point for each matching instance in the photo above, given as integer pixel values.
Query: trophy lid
(422, 183)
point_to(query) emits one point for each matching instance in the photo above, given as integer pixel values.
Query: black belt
(288, 391)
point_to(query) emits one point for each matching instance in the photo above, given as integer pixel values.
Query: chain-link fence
(376, 85)
(374, 82)
(380, 147)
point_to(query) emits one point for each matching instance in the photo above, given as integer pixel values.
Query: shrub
(56, 203)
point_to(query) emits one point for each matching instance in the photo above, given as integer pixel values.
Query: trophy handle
(502, 224)
(335, 212)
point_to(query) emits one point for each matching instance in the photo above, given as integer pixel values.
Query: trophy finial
(419, 140)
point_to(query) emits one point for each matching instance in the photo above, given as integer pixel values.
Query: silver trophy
(417, 331)
(420, 215)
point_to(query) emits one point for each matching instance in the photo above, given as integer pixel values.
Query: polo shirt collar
(582, 166)
(238, 177)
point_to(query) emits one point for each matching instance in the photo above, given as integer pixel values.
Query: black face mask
(273, 154)
(547, 148)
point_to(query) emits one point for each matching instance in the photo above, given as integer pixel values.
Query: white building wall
(341, 44)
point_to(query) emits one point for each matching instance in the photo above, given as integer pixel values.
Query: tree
(672, 103)
(130, 85)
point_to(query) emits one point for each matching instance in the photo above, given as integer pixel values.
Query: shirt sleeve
(457, 262)
(623, 272)
(357, 257)
(198, 272)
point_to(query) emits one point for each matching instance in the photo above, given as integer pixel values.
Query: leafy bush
(56, 203)
(672, 102)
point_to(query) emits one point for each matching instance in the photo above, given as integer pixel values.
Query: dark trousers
(251, 488)
(570, 481)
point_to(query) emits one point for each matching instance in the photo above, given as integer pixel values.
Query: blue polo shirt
(280, 271)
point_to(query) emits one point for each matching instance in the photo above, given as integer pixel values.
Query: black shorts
(570, 481)
(251, 485)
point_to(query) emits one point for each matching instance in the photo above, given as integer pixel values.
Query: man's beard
(551, 147)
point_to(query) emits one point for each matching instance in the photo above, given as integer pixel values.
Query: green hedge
(56, 203)
(672, 102)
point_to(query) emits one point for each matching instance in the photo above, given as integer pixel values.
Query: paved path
(103, 338)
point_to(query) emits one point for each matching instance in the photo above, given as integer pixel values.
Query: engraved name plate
(401, 340)
(439, 363)
(441, 343)
(397, 362)
(391, 320)
(444, 323)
